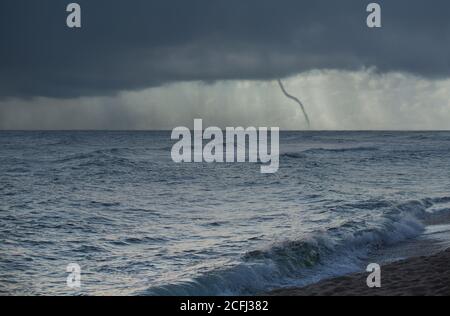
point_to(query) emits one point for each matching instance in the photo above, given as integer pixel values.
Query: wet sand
(421, 276)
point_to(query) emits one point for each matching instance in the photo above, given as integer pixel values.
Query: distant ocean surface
(138, 224)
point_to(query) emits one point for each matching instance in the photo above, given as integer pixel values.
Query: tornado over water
(296, 100)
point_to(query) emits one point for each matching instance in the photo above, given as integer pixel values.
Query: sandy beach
(421, 276)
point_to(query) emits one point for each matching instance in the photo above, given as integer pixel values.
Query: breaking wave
(332, 252)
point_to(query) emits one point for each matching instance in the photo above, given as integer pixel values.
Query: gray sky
(148, 64)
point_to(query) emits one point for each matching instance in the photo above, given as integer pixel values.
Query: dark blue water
(138, 224)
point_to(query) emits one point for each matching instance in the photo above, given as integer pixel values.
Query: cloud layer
(133, 45)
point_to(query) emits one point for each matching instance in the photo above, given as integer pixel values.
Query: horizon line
(169, 130)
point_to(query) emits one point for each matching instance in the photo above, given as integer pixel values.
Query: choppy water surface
(138, 224)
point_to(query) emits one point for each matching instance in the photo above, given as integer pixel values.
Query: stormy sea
(136, 223)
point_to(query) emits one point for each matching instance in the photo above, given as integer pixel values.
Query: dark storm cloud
(128, 45)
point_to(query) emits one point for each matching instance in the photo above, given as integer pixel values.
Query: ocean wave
(293, 155)
(335, 251)
(341, 150)
(104, 157)
(303, 153)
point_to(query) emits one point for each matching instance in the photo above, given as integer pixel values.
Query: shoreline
(419, 276)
